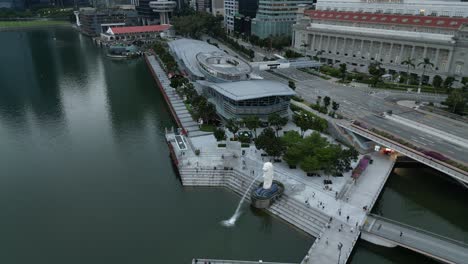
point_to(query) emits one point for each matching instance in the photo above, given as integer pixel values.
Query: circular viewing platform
(223, 66)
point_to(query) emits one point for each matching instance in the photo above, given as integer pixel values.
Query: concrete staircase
(298, 214)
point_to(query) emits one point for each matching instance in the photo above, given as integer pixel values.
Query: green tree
(319, 100)
(293, 156)
(220, 134)
(312, 143)
(456, 101)
(233, 126)
(409, 62)
(310, 164)
(252, 123)
(277, 121)
(343, 68)
(426, 63)
(335, 106)
(291, 138)
(448, 82)
(326, 101)
(292, 84)
(303, 121)
(343, 160)
(269, 142)
(319, 124)
(376, 71)
(437, 82)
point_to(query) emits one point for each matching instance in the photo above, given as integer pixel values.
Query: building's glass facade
(276, 17)
(261, 107)
(242, 20)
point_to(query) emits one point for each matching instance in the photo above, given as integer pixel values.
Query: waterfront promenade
(177, 107)
(334, 215)
(306, 204)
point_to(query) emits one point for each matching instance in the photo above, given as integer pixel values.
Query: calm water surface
(85, 176)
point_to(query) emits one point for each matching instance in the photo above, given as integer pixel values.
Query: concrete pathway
(444, 249)
(176, 102)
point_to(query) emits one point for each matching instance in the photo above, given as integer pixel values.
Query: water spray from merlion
(267, 181)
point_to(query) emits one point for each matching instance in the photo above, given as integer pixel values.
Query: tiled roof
(391, 19)
(139, 29)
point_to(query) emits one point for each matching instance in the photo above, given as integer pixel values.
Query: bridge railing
(419, 230)
(445, 167)
(382, 184)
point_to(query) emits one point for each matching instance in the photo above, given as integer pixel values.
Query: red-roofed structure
(139, 29)
(130, 34)
(388, 19)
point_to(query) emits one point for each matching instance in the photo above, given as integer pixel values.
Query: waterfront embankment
(32, 24)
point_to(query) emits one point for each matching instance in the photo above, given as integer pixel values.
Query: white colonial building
(359, 32)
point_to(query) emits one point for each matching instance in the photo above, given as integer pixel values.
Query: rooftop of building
(187, 50)
(138, 29)
(220, 62)
(251, 89)
(389, 19)
(421, 36)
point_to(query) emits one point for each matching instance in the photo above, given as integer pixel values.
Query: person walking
(347, 218)
(401, 234)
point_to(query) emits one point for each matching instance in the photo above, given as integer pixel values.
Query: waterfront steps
(296, 213)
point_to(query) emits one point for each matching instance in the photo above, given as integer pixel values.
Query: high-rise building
(145, 13)
(217, 7)
(243, 19)
(276, 17)
(230, 10)
(94, 21)
(203, 5)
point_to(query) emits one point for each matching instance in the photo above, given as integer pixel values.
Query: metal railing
(419, 230)
(444, 167)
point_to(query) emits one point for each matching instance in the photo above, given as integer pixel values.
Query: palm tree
(304, 46)
(426, 62)
(409, 62)
(318, 53)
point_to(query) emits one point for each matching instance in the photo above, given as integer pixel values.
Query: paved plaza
(347, 213)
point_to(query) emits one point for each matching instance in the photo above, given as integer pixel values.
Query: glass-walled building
(246, 98)
(226, 81)
(275, 18)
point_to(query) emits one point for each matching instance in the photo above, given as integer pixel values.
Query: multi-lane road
(366, 105)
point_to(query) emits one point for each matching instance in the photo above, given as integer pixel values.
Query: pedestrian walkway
(393, 233)
(176, 103)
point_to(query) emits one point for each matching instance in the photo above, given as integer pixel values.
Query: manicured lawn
(34, 23)
(208, 128)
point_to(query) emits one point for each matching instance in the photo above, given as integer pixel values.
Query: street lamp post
(339, 252)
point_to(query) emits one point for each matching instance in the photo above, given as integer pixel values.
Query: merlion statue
(267, 175)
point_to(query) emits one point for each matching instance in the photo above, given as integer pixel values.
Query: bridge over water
(456, 173)
(386, 232)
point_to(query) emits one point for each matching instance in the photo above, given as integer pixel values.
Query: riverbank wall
(39, 26)
(163, 92)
